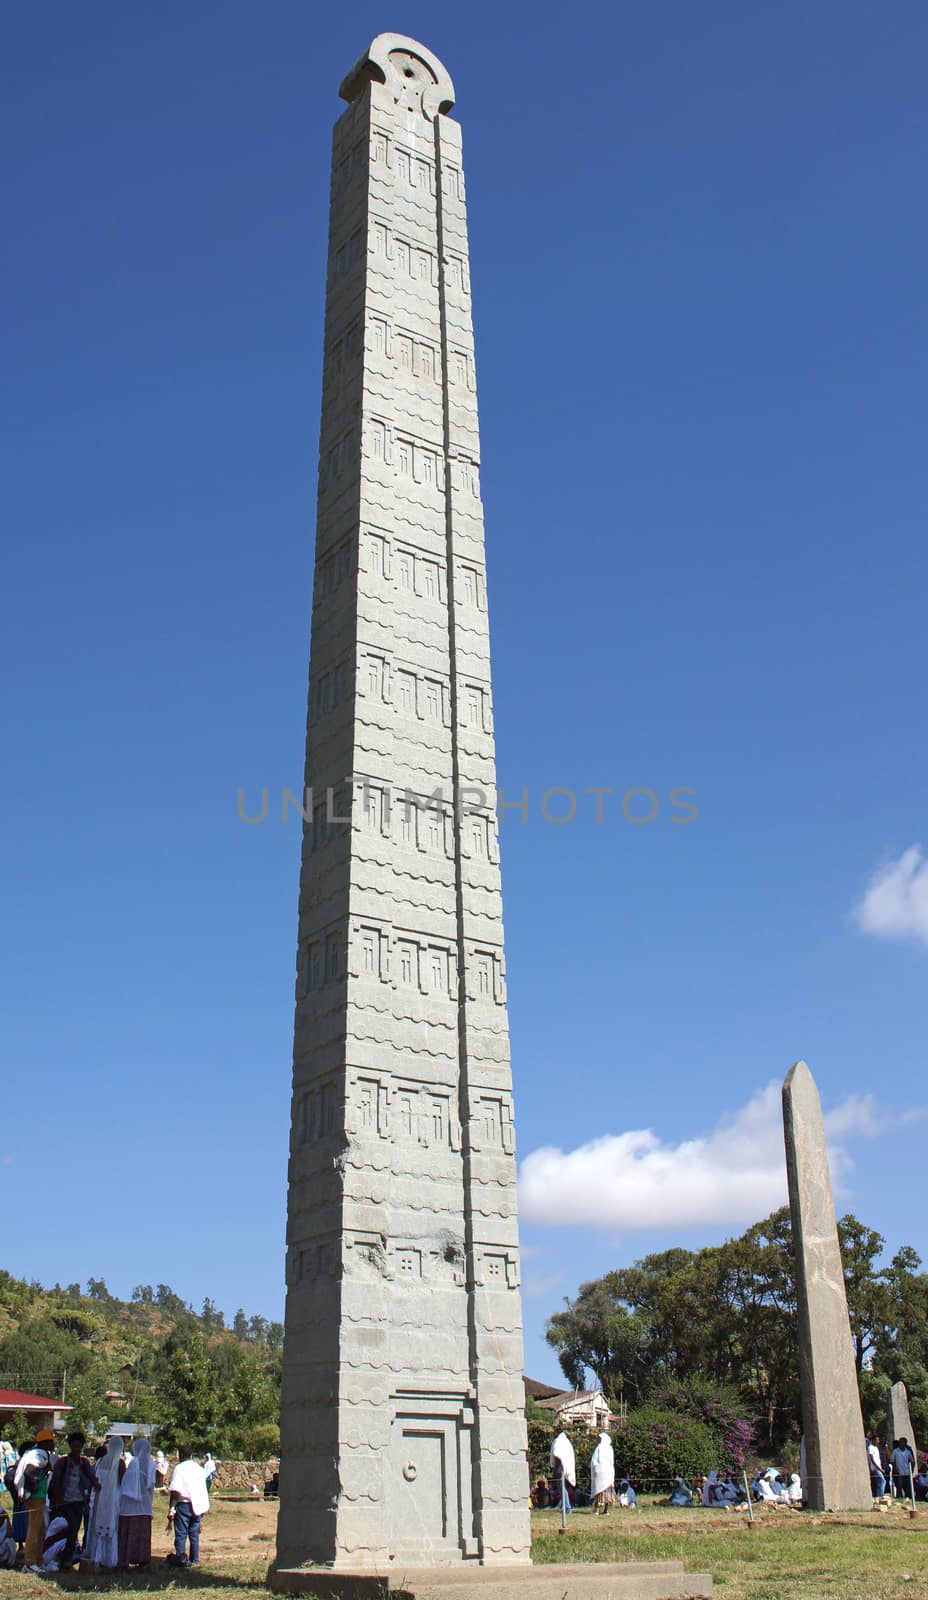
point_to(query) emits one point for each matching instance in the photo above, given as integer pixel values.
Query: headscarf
(563, 1451)
(107, 1517)
(139, 1478)
(602, 1466)
(708, 1487)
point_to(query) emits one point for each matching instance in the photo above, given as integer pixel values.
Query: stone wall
(235, 1474)
(242, 1474)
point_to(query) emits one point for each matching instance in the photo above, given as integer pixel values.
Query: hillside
(151, 1358)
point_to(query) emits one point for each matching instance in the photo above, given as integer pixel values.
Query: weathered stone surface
(632, 1580)
(837, 1475)
(403, 1322)
(898, 1421)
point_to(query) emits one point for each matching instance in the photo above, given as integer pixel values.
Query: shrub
(652, 1445)
(715, 1406)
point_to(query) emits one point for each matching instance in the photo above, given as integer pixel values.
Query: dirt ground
(233, 1530)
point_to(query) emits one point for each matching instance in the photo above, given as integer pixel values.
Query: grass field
(784, 1556)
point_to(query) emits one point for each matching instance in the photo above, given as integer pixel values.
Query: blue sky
(699, 254)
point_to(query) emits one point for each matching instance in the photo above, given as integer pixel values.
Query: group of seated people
(546, 1494)
(723, 1489)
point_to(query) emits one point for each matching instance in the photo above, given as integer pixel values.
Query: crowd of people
(893, 1470)
(71, 1509)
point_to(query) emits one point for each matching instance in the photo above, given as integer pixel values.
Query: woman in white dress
(564, 1467)
(103, 1536)
(602, 1476)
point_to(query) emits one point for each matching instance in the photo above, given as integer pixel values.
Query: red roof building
(41, 1412)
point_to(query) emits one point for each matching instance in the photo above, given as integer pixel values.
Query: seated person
(539, 1495)
(769, 1487)
(272, 1487)
(921, 1484)
(627, 1495)
(711, 1489)
(728, 1492)
(681, 1494)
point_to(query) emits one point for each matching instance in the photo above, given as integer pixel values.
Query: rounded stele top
(412, 73)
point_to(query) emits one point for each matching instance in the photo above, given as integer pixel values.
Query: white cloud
(735, 1174)
(895, 902)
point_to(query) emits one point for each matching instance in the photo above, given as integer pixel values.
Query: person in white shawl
(135, 1507)
(564, 1466)
(602, 1476)
(102, 1541)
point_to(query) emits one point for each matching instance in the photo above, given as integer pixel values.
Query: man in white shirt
(875, 1463)
(189, 1505)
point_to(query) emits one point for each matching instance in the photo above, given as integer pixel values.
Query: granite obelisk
(403, 1433)
(837, 1475)
(898, 1420)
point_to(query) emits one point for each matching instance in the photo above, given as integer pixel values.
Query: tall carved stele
(837, 1473)
(403, 1434)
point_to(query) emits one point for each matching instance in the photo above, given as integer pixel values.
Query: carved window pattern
(409, 1263)
(406, 682)
(407, 1106)
(377, 555)
(373, 807)
(378, 440)
(408, 961)
(318, 1112)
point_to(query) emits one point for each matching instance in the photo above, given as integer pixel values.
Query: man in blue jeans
(189, 1504)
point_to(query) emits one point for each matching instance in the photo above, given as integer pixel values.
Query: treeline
(152, 1359)
(726, 1316)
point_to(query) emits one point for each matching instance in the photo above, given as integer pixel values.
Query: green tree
(168, 1301)
(190, 1405)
